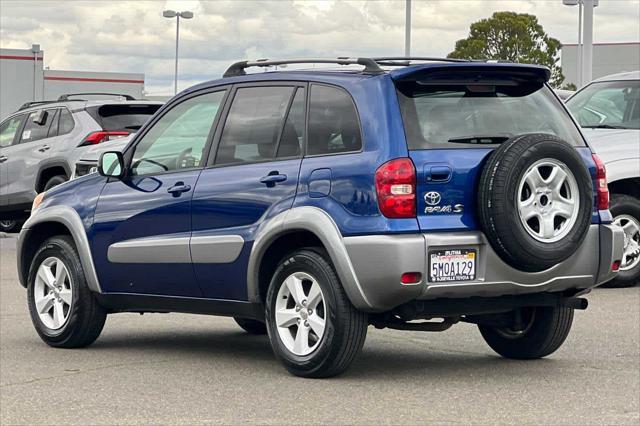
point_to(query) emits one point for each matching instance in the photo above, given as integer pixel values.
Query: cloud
(132, 36)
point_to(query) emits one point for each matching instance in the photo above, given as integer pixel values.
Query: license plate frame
(452, 265)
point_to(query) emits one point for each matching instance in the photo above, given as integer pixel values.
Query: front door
(142, 223)
(9, 138)
(252, 177)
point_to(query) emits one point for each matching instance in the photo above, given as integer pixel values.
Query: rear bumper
(379, 261)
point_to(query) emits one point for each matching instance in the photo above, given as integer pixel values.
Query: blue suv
(413, 193)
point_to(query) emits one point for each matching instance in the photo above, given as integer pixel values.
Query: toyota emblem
(432, 198)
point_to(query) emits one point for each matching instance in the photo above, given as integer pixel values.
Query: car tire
(333, 331)
(519, 206)
(544, 331)
(54, 181)
(69, 317)
(625, 210)
(10, 225)
(251, 326)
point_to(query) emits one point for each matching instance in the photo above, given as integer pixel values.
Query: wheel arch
(45, 223)
(297, 228)
(629, 186)
(49, 170)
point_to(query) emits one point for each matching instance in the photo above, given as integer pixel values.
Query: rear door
(9, 136)
(454, 120)
(252, 176)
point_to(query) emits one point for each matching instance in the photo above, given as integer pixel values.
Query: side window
(253, 124)
(178, 139)
(291, 140)
(333, 122)
(53, 128)
(37, 125)
(66, 122)
(8, 130)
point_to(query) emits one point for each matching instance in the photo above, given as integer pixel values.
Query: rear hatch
(118, 120)
(456, 114)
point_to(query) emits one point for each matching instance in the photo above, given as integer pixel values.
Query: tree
(510, 36)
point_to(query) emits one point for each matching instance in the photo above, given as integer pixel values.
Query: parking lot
(177, 368)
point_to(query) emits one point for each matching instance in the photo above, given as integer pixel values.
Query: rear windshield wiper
(604, 126)
(480, 139)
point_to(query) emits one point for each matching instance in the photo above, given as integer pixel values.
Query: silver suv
(40, 142)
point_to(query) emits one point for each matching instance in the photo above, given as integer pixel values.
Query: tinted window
(53, 128)
(128, 117)
(608, 104)
(35, 131)
(178, 139)
(333, 122)
(8, 130)
(291, 140)
(253, 124)
(66, 123)
(466, 115)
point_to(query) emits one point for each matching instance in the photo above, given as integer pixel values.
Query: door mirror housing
(41, 117)
(111, 164)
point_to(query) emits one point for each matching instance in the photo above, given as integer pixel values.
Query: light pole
(584, 53)
(186, 14)
(407, 29)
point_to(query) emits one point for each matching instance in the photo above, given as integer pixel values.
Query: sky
(132, 36)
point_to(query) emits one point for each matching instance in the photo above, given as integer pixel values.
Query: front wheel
(626, 214)
(313, 327)
(63, 310)
(536, 333)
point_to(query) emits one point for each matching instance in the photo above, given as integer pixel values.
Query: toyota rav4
(413, 194)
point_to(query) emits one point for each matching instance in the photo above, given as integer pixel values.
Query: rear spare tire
(535, 201)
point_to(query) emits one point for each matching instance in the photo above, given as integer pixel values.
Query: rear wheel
(313, 327)
(535, 333)
(54, 181)
(626, 214)
(251, 326)
(63, 310)
(10, 225)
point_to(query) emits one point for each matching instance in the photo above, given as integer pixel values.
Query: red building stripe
(95, 80)
(20, 58)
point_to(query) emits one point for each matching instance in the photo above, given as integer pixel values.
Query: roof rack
(66, 97)
(238, 69)
(406, 60)
(32, 104)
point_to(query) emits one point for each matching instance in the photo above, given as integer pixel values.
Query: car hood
(619, 149)
(93, 153)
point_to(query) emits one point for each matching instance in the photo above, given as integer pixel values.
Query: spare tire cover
(535, 201)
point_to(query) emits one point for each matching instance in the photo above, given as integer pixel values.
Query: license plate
(452, 265)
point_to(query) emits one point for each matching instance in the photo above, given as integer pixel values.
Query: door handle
(272, 178)
(44, 148)
(3, 158)
(179, 188)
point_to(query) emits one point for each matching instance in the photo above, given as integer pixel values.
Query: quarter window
(178, 139)
(333, 122)
(8, 130)
(253, 124)
(66, 123)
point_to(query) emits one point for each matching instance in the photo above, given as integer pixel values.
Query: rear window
(129, 117)
(463, 115)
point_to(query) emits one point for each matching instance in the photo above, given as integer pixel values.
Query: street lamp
(585, 54)
(186, 14)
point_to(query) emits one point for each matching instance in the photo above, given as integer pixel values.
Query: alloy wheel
(52, 293)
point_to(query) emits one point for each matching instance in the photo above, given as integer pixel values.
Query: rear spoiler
(471, 72)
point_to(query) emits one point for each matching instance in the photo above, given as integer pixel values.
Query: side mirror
(41, 117)
(111, 164)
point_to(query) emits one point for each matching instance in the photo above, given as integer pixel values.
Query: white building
(23, 78)
(608, 58)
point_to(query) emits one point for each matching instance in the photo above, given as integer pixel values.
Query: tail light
(602, 190)
(396, 188)
(102, 136)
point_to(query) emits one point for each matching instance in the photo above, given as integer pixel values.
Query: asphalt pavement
(192, 369)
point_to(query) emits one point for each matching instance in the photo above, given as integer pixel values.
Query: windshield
(454, 114)
(608, 104)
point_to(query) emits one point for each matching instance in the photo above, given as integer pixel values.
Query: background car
(564, 94)
(608, 110)
(39, 143)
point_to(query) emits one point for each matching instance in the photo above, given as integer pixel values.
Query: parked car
(311, 204)
(39, 143)
(608, 110)
(87, 161)
(564, 94)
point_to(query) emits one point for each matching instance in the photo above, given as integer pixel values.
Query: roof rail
(238, 69)
(66, 97)
(406, 60)
(34, 103)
